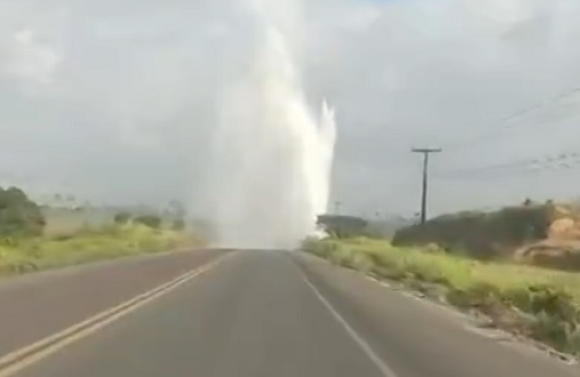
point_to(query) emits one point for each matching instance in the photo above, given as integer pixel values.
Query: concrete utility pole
(426, 152)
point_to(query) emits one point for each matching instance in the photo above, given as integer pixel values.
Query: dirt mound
(560, 254)
(545, 234)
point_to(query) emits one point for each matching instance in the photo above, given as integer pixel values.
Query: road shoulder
(419, 337)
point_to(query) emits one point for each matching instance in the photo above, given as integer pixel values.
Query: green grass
(538, 303)
(88, 245)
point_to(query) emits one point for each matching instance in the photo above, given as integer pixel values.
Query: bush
(152, 221)
(483, 235)
(122, 218)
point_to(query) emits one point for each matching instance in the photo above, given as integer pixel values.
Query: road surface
(37, 305)
(275, 314)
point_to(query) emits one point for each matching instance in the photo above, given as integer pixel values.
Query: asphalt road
(274, 314)
(37, 305)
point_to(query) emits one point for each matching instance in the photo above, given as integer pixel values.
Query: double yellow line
(24, 357)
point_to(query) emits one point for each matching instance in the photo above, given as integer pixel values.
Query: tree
(176, 209)
(19, 216)
(57, 199)
(343, 226)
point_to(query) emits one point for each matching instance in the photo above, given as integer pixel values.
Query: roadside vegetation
(529, 301)
(28, 242)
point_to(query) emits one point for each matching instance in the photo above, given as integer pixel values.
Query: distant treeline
(345, 226)
(20, 216)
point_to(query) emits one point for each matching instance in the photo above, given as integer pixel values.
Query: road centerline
(17, 360)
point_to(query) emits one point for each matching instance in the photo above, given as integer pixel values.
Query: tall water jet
(272, 158)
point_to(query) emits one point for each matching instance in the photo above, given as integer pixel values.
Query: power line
(426, 152)
(512, 120)
(553, 162)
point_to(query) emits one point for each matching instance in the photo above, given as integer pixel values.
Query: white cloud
(31, 44)
(28, 59)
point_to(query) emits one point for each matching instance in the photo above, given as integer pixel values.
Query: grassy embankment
(534, 302)
(87, 245)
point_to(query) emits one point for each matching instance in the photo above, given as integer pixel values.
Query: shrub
(152, 221)
(122, 218)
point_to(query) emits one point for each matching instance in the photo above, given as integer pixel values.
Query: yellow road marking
(24, 357)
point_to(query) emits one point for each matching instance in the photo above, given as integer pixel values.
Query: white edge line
(363, 344)
(503, 338)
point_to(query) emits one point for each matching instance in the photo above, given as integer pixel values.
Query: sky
(114, 100)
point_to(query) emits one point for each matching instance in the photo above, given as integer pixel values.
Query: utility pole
(337, 207)
(426, 152)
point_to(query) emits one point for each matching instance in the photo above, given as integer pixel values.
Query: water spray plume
(272, 160)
